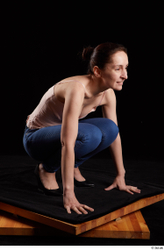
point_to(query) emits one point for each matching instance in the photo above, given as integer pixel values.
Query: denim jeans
(44, 145)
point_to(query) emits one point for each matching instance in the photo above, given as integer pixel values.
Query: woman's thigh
(42, 142)
(88, 139)
(93, 135)
(107, 127)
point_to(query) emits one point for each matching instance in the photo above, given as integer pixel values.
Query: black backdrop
(41, 45)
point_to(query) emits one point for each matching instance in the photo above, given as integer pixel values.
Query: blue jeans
(94, 135)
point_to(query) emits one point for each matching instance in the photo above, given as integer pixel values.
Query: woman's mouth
(120, 83)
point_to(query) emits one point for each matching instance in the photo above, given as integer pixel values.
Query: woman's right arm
(72, 108)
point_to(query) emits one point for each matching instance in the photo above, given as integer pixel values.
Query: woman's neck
(95, 85)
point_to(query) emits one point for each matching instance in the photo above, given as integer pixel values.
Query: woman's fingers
(68, 209)
(88, 208)
(71, 203)
(128, 189)
(137, 190)
(82, 209)
(131, 189)
(76, 210)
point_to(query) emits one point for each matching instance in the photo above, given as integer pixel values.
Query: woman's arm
(109, 111)
(74, 97)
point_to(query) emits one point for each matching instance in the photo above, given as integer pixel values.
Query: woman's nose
(124, 74)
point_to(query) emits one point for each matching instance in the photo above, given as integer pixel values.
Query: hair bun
(87, 52)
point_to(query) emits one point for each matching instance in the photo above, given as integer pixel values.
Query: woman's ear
(97, 71)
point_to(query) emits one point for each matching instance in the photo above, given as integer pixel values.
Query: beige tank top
(49, 111)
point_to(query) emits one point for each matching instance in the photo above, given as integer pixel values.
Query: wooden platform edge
(131, 226)
(77, 229)
(144, 202)
(61, 225)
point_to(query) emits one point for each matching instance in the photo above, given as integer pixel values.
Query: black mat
(18, 187)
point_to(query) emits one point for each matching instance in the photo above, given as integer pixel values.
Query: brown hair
(101, 54)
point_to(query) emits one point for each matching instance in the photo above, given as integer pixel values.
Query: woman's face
(115, 72)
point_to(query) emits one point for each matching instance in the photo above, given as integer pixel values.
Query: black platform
(18, 187)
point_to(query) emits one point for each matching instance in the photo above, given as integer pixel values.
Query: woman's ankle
(48, 179)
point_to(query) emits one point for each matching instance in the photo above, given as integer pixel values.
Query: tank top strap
(74, 81)
(82, 84)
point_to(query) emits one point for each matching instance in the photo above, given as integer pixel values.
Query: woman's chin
(118, 87)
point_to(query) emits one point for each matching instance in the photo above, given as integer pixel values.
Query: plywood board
(132, 226)
(15, 225)
(77, 229)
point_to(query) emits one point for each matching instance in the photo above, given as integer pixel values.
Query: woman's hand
(119, 183)
(71, 203)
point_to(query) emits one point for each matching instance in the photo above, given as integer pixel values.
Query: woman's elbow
(69, 144)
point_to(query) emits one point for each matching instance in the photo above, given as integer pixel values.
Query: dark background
(41, 42)
(41, 45)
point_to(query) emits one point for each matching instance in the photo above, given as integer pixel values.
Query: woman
(55, 135)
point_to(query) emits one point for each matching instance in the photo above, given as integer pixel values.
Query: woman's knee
(110, 129)
(106, 126)
(113, 127)
(89, 135)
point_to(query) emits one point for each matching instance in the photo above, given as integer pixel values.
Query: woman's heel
(52, 192)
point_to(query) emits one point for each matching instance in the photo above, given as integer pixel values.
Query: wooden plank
(83, 227)
(77, 229)
(131, 226)
(61, 225)
(14, 225)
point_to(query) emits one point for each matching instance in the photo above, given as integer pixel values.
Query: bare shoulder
(74, 87)
(69, 86)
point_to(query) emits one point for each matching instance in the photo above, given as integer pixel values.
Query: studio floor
(150, 171)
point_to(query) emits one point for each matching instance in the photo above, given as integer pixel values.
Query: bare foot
(48, 179)
(77, 175)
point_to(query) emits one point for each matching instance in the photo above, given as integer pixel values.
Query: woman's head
(110, 60)
(100, 55)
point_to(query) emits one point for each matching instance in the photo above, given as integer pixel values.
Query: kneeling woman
(55, 135)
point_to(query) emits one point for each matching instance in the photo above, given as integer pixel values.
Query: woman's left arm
(109, 111)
